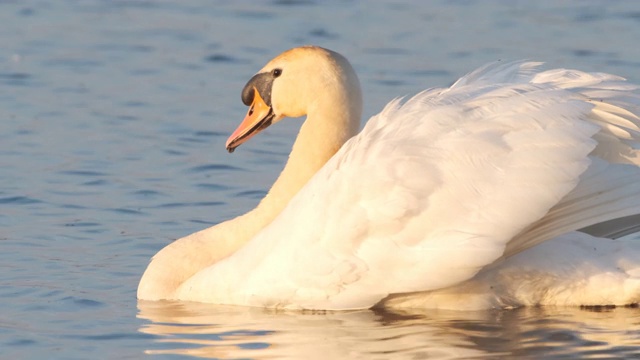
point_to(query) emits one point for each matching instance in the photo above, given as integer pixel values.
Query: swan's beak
(259, 117)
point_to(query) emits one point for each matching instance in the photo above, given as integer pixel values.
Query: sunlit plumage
(464, 198)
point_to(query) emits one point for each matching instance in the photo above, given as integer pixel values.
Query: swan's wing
(428, 194)
(610, 188)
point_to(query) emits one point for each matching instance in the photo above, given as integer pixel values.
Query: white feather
(451, 184)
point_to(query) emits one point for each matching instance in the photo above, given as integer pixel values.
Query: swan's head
(292, 85)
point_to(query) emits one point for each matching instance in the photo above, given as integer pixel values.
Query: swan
(467, 197)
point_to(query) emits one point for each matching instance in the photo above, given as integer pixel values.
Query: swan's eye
(276, 72)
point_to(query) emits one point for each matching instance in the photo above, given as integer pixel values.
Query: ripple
(293, 2)
(254, 345)
(210, 133)
(79, 223)
(80, 89)
(633, 15)
(224, 58)
(26, 12)
(15, 79)
(584, 52)
(19, 200)
(322, 33)
(82, 173)
(14, 76)
(390, 82)
(198, 140)
(254, 14)
(216, 167)
(73, 206)
(112, 336)
(629, 63)
(135, 103)
(430, 72)
(127, 211)
(125, 48)
(252, 194)
(22, 342)
(212, 187)
(589, 16)
(144, 72)
(174, 152)
(386, 51)
(147, 193)
(204, 222)
(191, 204)
(73, 63)
(98, 182)
(83, 302)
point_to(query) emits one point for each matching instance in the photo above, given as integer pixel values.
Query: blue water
(113, 117)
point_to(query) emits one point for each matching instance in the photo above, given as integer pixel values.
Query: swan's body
(453, 199)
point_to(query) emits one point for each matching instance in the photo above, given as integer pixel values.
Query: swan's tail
(575, 269)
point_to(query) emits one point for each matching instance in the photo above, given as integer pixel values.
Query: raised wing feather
(433, 190)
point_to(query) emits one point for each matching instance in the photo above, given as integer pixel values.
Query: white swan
(438, 202)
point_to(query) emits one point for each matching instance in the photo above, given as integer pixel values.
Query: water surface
(113, 117)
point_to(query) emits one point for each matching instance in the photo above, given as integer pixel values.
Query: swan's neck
(320, 137)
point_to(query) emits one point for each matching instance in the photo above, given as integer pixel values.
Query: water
(113, 117)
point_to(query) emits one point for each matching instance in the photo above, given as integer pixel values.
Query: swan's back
(438, 187)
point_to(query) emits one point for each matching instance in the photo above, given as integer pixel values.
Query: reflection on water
(227, 332)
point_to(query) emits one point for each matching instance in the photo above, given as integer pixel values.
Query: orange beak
(259, 117)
